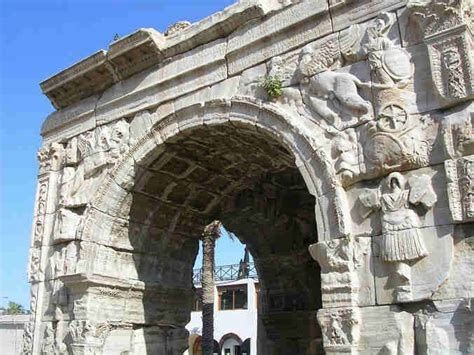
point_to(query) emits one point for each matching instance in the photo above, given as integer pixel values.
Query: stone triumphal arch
(334, 138)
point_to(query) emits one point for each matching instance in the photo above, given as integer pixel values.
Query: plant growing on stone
(273, 86)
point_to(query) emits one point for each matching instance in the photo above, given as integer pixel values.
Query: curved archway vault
(227, 161)
(338, 131)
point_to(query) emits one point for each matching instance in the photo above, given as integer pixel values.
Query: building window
(227, 351)
(237, 350)
(234, 297)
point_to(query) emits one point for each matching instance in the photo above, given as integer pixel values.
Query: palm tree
(15, 308)
(209, 236)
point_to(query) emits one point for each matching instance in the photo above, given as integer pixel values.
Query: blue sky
(37, 39)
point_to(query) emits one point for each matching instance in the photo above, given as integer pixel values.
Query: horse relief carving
(330, 94)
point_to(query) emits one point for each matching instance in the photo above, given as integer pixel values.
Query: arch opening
(248, 180)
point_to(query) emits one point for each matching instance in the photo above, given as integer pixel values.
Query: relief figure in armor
(402, 243)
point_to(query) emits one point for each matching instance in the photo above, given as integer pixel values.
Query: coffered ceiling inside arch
(245, 178)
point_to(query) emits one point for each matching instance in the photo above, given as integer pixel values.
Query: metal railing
(229, 272)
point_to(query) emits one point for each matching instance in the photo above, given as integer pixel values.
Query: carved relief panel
(460, 174)
(447, 29)
(346, 271)
(341, 329)
(93, 152)
(87, 157)
(402, 244)
(370, 122)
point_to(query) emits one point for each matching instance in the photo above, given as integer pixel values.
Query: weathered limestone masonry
(367, 159)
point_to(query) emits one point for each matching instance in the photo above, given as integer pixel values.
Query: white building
(235, 315)
(11, 333)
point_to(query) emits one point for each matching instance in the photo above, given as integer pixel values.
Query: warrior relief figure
(402, 244)
(389, 64)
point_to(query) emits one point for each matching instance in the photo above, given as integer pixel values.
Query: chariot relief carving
(396, 140)
(402, 243)
(365, 141)
(329, 94)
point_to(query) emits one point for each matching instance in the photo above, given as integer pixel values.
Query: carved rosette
(460, 175)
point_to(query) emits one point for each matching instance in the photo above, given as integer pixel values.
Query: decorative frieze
(447, 29)
(340, 329)
(40, 219)
(460, 175)
(50, 158)
(27, 340)
(142, 165)
(88, 337)
(346, 272)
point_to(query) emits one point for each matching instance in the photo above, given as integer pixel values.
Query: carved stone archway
(107, 224)
(359, 117)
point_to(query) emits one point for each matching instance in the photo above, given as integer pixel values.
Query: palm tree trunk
(209, 237)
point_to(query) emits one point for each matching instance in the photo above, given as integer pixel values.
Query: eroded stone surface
(365, 158)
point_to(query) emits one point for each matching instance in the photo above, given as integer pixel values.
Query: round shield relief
(396, 63)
